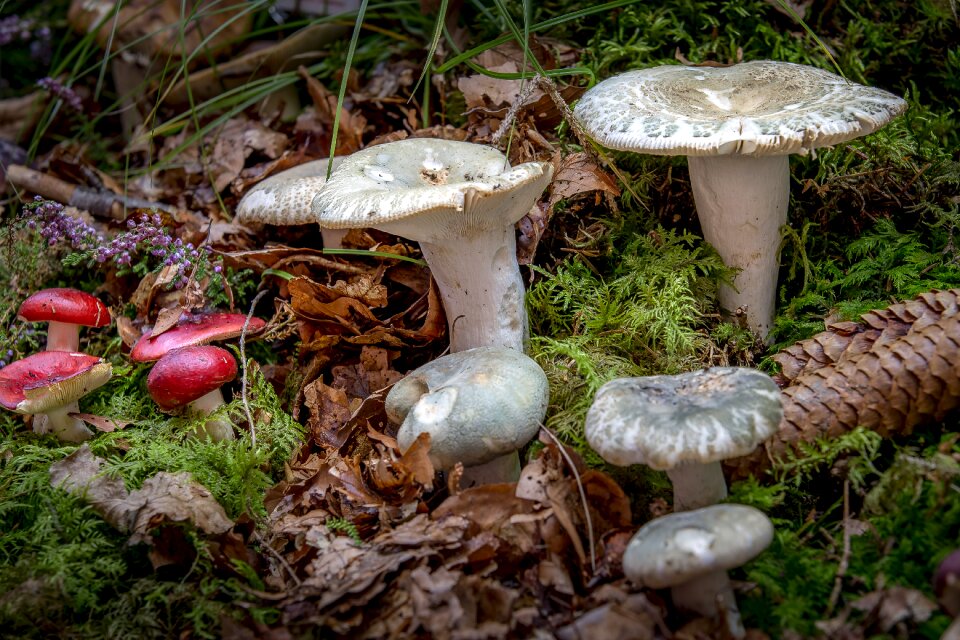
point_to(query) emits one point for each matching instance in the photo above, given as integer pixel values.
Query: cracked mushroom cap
(680, 547)
(189, 331)
(69, 306)
(285, 198)
(762, 108)
(50, 379)
(189, 373)
(429, 190)
(477, 405)
(697, 417)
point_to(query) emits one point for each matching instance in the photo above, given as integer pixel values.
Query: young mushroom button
(460, 201)
(690, 552)
(736, 125)
(686, 425)
(66, 310)
(191, 377)
(479, 406)
(48, 385)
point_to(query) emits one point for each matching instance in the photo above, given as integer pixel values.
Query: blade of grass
(351, 49)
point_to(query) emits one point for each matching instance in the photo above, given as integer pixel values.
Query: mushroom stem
(333, 238)
(503, 469)
(216, 429)
(481, 287)
(62, 424)
(697, 485)
(709, 595)
(63, 336)
(742, 203)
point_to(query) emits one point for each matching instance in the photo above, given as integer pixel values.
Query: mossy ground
(870, 221)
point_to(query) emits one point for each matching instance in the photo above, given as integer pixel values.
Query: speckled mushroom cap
(429, 190)
(763, 108)
(50, 379)
(285, 198)
(477, 405)
(680, 547)
(698, 417)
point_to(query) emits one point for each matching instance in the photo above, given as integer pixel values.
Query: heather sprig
(67, 94)
(144, 241)
(13, 28)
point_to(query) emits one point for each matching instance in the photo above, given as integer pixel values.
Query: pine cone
(845, 340)
(898, 369)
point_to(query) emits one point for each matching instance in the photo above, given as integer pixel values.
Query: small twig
(583, 495)
(243, 368)
(276, 554)
(99, 203)
(845, 556)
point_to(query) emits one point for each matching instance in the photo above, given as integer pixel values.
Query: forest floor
(312, 522)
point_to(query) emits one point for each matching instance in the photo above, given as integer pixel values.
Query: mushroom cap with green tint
(477, 405)
(680, 547)
(763, 108)
(285, 198)
(697, 417)
(429, 190)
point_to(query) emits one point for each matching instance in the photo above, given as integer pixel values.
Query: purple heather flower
(65, 93)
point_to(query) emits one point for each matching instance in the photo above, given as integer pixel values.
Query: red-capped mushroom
(48, 385)
(191, 377)
(201, 329)
(66, 310)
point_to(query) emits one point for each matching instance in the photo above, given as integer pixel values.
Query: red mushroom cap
(185, 374)
(210, 328)
(65, 305)
(50, 379)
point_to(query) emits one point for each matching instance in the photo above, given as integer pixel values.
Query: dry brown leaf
(352, 125)
(163, 499)
(101, 423)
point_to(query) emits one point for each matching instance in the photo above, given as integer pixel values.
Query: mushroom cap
(697, 417)
(70, 306)
(183, 375)
(680, 547)
(477, 405)
(429, 190)
(284, 198)
(763, 107)
(210, 328)
(50, 379)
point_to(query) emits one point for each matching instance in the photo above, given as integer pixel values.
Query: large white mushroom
(736, 125)
(460, 201)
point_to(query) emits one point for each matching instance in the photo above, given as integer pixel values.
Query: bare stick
(845, 557)
(583, 495)
(243, 368)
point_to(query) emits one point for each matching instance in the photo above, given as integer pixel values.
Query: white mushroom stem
(710, 595)
(63, 336)
(481, 287)
(742, 203)
(333, 238)
(503, 469)
(62, 424)
(697, 485)
(216, 429)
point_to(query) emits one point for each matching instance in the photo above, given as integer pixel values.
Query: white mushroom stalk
(690, 552)
(284, 199)
(460, 201)
(736, 125)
